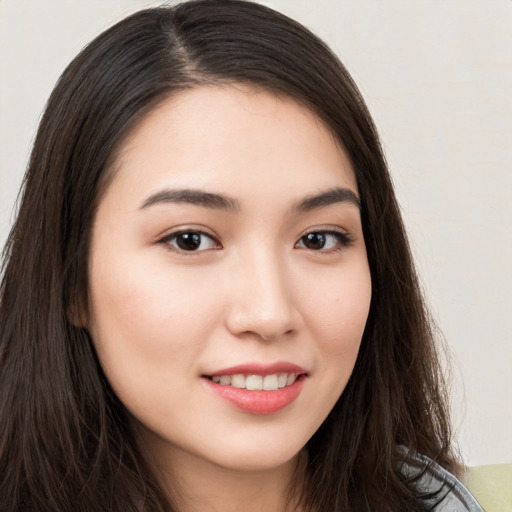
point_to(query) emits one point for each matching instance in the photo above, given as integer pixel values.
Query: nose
(262, 302)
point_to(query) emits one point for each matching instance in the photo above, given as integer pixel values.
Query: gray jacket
(433, 477)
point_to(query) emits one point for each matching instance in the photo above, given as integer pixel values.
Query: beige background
(437, 75)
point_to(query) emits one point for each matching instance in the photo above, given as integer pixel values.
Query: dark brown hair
(65, 443)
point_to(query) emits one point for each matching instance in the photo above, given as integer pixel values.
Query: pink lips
(255, 401)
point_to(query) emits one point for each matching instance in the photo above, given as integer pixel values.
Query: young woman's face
(228, 278)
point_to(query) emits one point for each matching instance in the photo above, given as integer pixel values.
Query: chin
(257, 455)
(257, 463)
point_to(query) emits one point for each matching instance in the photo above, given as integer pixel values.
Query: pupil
(188, 241)
(314, 241)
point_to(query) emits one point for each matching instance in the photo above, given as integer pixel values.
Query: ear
(76, 314)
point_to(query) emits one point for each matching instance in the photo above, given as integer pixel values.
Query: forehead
(231, 136)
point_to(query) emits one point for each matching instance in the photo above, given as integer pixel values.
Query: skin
(254, 291)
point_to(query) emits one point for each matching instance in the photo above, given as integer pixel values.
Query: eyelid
(328, 228)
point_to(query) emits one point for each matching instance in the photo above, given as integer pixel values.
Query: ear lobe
(76, 314)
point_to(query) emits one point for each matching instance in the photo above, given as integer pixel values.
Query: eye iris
(188, 241)
(314, 240)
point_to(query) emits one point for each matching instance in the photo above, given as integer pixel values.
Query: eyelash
(343, 240)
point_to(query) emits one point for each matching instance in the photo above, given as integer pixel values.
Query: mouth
(257, 389)
(271, 382)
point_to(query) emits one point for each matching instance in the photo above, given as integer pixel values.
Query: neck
(208, 488)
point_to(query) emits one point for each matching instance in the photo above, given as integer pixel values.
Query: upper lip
(258, 369)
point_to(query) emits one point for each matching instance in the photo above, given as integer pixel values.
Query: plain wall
(437, 76)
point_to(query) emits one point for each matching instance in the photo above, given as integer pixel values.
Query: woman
(208, 299)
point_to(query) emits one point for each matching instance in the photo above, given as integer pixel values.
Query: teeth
(254, 382)
(291, 379)
(225, 380)
(270, 382)
(257, 382)
(238, 381)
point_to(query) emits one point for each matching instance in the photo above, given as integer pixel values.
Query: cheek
(338, 317)
(136, 294)
(340, 308)
(337, 309)
(145, 320)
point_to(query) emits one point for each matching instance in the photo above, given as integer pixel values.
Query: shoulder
(443, 491)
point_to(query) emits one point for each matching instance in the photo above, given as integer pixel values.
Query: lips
(258, 389)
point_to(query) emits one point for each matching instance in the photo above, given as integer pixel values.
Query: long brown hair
(65, 443)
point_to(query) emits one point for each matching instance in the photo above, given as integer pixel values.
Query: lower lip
(258, 402)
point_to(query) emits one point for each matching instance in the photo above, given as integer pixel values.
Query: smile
(256, 382)
(258, 389)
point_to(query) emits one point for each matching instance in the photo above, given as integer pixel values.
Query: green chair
(491, 486)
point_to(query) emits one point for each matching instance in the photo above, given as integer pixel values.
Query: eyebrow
(327, 198)
(192, 196)
(222, 202)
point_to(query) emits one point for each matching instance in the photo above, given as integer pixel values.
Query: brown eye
(314, 241)
(188, 241)
(324, 241)
(191, 241)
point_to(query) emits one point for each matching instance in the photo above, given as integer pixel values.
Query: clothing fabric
(453, 496)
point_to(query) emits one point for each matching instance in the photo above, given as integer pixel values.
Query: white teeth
(254, 382)
(257, 382)
(225, 380)
(270, 382)
(238, 381)
(291, 378)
